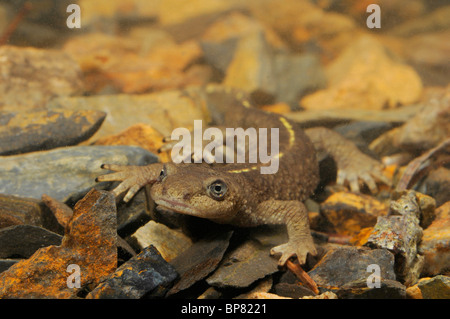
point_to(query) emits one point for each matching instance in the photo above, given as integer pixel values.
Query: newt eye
(162, 174)
(217, 190)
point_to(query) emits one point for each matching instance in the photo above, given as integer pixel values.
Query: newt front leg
(132, 178)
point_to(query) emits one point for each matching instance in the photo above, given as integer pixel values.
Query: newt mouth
(174, 206)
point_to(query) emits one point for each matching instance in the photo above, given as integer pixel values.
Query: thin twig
(303, 276)
(26, 7)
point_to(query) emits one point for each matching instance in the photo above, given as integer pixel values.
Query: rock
(434, 21)
(132, 215)
(31, 77)
(431, 288)
(389, 289)
(344, 265)
(41, 130)
(219, 41)
(423, 131)
(264, 295)
(331, 118)
(133, 65)
(435, 244)
(400, 233)
(104, 11)
(186, 21)
(325, 295)
(169, 242)
(163, 111)
(61, 211)
(199, 260)
(437, 185)
(23, 240)
(364, 76)
(349, 213)
(252, 70)
(141, 135)
(66, 173)
(89, 243)
(137, 277)
(250, 261)
(21, 210)
(292, 290)
(297, 75)
(6, 263)
(428, 53)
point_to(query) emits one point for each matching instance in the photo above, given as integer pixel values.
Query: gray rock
(31, 76)
(388, 289)
(65, 173)
(140, 275)
(23, 240)
(344, 265)
(22, 132)
(251, 260)
(199, 260)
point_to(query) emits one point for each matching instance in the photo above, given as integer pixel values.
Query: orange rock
(89, 242)
(141, 135)
(364, 76)
(349, 213)
(360, 239)
(435, 244)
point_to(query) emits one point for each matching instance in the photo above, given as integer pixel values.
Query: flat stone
(163, 111)
(64, 173)
(21, 210)
(199, 260)
(23, 240)
(292, 290)
(349, 213)
(137, 277)
(344, 265)
(31, 76)
(89, 243)
(249, 261)
(23, 132)
(169, 242)
(389, 289)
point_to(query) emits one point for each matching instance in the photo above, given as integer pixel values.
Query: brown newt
(237, 193)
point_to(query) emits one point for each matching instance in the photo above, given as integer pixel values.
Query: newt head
(197, 190)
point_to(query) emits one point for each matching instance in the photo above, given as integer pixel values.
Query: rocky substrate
(72, 101)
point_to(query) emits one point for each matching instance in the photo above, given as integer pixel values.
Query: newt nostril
(187, 196)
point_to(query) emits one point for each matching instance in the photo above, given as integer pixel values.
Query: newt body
(237, 193)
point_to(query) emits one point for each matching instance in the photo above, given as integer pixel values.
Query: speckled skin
(251, 198)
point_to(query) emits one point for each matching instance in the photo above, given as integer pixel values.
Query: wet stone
(132, 215)
(348, 213)
(437, 185)
(137, 277)
(30, 76)
(64, 173)
(387, 289)
(23, 132)
(250, 261)
(343, 265)
(20, 210)
(89, 243)
(435, 288)
(199, 260)
(23, 240)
